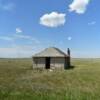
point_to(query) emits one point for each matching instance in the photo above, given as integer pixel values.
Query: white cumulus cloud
(69, 38)
(79, 6)
(18, 30)
(53, 19)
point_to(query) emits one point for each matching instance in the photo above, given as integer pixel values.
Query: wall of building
(38, 62)
(55, 62)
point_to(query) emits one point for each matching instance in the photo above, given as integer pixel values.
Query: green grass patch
(18, 81)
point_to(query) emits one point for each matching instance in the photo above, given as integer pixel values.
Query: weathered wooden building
(51, 58)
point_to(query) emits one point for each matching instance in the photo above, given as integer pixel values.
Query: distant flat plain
(18, 81)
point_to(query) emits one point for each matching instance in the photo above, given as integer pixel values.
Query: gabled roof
(51, 52)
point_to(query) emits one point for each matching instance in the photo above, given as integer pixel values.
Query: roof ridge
(51, 51)
(60, 51)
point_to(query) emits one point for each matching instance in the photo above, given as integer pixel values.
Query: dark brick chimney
(68, 58)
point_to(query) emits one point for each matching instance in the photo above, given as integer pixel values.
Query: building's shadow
(70, 67)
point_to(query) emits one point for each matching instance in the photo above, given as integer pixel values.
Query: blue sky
(29, 26)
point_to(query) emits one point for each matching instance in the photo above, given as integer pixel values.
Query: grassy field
(19, 82)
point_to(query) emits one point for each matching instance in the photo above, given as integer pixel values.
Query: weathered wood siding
(55, 62)
(38, 62)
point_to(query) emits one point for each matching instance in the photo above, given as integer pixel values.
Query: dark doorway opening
(47, 63)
